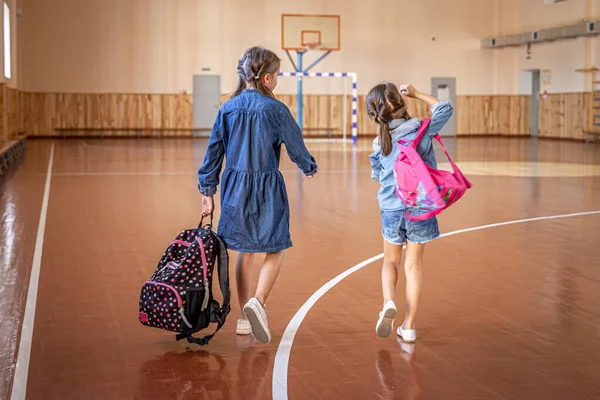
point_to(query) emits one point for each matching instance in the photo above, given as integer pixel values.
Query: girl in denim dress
(248, 132)
(386, 106)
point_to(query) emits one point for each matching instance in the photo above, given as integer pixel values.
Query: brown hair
(254, 64)
(384, 103)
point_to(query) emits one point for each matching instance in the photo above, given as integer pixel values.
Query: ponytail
(385, 139)
(241, 85)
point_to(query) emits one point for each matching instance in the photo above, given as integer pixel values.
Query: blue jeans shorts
(398, 230)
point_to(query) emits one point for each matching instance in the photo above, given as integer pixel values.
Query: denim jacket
(383, 166)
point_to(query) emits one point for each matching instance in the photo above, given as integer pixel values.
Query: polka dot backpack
(179, 297)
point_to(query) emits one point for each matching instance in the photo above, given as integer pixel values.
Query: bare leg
(392, 255)
(412, 270)
(243, 279)
(268, 275)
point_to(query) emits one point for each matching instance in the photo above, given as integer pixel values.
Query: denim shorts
(398, 230)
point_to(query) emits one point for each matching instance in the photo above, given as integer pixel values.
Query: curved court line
(282, 357)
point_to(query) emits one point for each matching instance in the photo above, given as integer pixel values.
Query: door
(535, 102)
(445, 89)
(207, 100)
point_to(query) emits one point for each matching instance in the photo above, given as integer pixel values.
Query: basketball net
(313, 46)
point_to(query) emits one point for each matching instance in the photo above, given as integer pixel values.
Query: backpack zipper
(204, 266)
(179, 301)
(205, 270)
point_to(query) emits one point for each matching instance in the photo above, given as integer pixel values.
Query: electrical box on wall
(488, 43)
(533, 37)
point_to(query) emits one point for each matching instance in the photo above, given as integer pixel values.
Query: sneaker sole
(258, 327)
(386, 323)
(406, 340)
(244, 332)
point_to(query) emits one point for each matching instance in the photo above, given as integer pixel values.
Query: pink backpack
(422, 188)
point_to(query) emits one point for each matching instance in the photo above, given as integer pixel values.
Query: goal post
(353, 77)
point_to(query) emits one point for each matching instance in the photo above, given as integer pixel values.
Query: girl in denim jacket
(255, 217)
(387, 108)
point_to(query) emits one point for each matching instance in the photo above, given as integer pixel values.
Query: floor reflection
(387, 366)
(202, 374)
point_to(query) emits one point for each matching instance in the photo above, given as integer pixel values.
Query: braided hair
(384, 103)
(254, 64)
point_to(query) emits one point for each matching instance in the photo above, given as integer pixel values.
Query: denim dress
(248, 133)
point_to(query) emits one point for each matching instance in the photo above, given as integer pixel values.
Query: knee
(412, 266)
(392, 262)
(244, 260)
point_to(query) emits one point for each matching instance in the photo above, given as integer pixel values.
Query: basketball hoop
(302, 32)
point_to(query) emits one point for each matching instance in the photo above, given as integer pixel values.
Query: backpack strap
(224, 274)
(223, 267)
(210, 224)
(452, 163)
(422, 130)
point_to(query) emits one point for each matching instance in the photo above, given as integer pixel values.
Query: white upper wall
(157, 45)
(561, 58)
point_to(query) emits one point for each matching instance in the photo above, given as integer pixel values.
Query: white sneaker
(243, 327)
(385, 324)
(257, 316)
(408, 335)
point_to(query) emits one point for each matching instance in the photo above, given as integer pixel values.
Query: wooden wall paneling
(116, 109)
(108, 111)
(167, 116)
(39, 113)
(70, 110)
(471, 115)
(493, 115)
(4, 120)
(176, 112)
(184, 113)
(336, 111)
(520, 115)
(575, 114)
(93, 117)
(12, 117)
(501, 106)
(145, 114)
(157, 111)
(550, 116)
(561, 115)
(131, 114)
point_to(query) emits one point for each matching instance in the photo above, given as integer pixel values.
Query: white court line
(123, 173)
(323, 140)
(282, 357)
(19, 387)
(174, 173)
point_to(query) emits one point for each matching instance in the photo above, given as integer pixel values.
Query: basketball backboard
(306, 31)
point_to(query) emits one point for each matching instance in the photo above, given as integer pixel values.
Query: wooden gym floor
(509, 311)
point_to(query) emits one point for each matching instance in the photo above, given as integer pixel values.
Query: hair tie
(256, 78)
